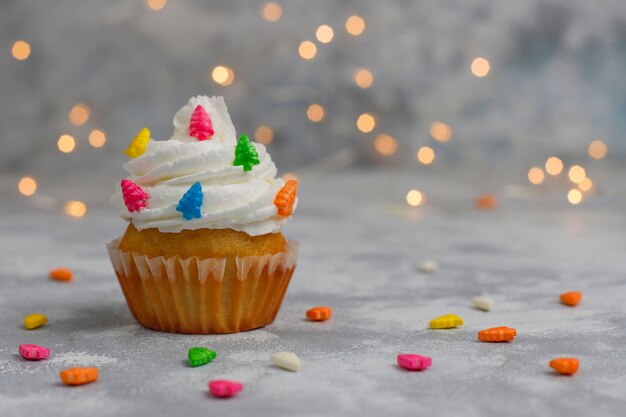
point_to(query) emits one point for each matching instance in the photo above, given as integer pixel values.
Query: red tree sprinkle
(134, 197)
(200, 126)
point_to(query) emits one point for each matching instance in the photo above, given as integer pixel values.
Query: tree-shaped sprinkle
(191, 202)
(138, 146)
(286, 197)
(200, 126)
(246, 154)
(134, 197)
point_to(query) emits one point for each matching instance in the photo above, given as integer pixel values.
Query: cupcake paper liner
(204, 296)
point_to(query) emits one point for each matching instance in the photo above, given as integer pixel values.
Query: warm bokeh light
(75, 208)
(66, 143)
(27, 186)
(219, 74)
(223, 75)
(363, 78)
(574, 196)
(289, 176)
(264, 135)
(414, 198)
(79, 114)
(576, 174)
(535, 175)
(426, 155)
(366, 123)
(97, 138)
(385, 144)
(554, 165)
(272, 11)
(586, 184)
(355, 25)
(440, 131)
(324, 34)
(20, 50)
(315, 113)
(597, 149)
(307, 50)
(486, 201)
(156, 4)
(480, 67)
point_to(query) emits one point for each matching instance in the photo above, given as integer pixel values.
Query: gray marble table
(359, 246)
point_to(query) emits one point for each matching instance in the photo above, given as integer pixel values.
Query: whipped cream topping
(232, 197)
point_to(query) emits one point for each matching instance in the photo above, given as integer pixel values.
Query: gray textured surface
(358, 251)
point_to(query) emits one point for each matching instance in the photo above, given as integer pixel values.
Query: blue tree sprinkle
(191, 202)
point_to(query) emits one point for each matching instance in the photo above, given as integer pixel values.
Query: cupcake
(203, 252)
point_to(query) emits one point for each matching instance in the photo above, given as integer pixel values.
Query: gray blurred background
(556, 82)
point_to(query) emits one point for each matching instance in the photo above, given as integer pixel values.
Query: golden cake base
(204, 296)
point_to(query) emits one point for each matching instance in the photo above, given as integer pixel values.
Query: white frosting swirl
(232, 198)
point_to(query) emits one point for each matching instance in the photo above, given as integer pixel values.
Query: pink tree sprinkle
(134, 197)
(200, 126)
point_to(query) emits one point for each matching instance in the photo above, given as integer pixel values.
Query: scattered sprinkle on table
(319, 313)
(497, 334)
(62, 274)
(199, 356)
(428, 266)
(447, 321)
(79, 376)
(286, 360)
(414, 362)
(483, 302)
(565, 366)
(32, 321)
(571, 298)
(222, 388)
(34, 352)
